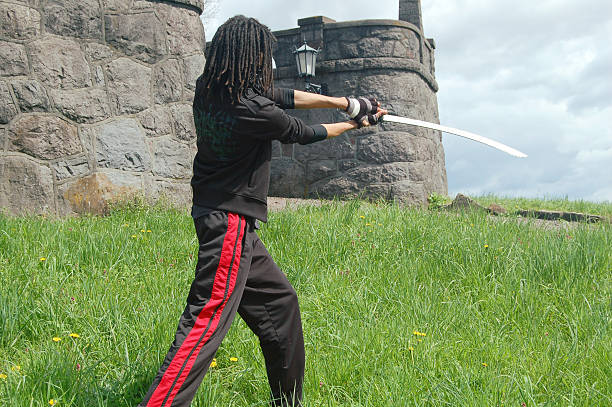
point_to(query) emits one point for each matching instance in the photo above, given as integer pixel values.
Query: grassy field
(400, 307)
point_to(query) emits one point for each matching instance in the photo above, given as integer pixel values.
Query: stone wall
(387, 59)
(95, 101)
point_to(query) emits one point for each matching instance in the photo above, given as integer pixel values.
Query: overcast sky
(536, 75)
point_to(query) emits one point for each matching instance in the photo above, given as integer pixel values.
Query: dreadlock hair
(239, 58)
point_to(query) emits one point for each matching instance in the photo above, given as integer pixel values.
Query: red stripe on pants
(190, 348)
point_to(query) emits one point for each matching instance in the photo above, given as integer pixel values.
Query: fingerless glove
(362, 107)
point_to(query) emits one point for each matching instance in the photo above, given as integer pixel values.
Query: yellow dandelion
(142, 231)
(16, 368)
(368, 224)
(486, 246)
(73, 335)
(423, 334)
(213, 363)
(484, 364)
(148, 230)
(419, 340)
(52, 402)
(410, 348)
(56, 339)
(233, 359)
(134, 236)
(125, 225)
(415, 333)
(43, 259)
(362, 217)
(3, 376)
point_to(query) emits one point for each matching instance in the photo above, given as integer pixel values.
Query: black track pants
(234, 272)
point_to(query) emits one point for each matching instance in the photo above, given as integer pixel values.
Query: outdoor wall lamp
(306, 60)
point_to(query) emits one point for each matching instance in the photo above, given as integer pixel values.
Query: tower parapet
(387, 59)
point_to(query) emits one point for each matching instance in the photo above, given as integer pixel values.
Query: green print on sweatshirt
(215, 129)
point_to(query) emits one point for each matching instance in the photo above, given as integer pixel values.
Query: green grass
(512, 313)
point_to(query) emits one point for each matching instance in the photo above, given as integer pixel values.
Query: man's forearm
(307, 100)
(336, 129)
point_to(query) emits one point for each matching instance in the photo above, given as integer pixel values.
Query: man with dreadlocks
(237, 113)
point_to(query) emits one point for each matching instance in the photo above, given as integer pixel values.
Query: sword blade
(457, 132)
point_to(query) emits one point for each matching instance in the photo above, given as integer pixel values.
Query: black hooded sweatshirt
(231, 170)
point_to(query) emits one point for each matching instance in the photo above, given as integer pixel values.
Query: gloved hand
(363, 107)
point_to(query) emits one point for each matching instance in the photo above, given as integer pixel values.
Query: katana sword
(451, 130)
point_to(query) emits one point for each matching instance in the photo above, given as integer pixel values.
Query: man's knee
(290, 300)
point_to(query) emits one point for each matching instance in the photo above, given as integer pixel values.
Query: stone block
(188, 95)
(337, 148)
(28, 186)
(128, 85)
(167, 82)
(287, 178)
(365, 174)
(43, 137)
(394, 172)
(194, 66)
(420, 171)
(198, 4)
(87, 136)
(287, 150)
(99, 76)
(377, 191)
(19, 22)
(348, 65)
(120, 144)
(73, 18)
(8, 110)
(118, 5)
(387, 148)
(276, 149)
(185, 32)
(97, 52)
(31, 96)
(13, 59)
(375, 47)
(172, 159)
(141, 35)
(59, 63)
(348, 49)
(182, 122)
(372, 174)
(345, 165)
(339, 187)
(177, 194)
(156, 121)
(71, 168)
(92, 194)
(409, 193)
(3, 140)
(82, 105)
(319, 169)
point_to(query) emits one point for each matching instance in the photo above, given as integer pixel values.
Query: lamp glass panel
(303, 63)
(312, 62)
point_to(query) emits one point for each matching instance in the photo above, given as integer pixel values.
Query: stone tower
(391, 60)
(95, 101)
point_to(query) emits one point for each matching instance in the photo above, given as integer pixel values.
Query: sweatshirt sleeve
(282, 97)
(288, 129)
